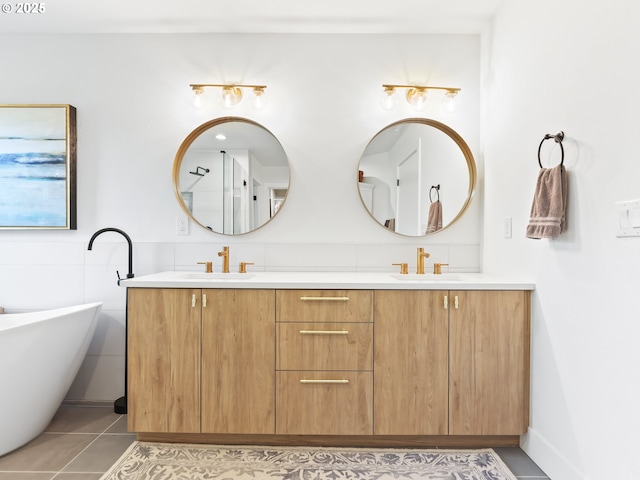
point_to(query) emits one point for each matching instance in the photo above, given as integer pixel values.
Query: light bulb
(230, 96)
(199, 98)
(417, 98)
(260, 99)
(451, 101)
(388, 99)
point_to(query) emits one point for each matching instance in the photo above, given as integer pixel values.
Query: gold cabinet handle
(324, 332)
(204, 300)
(455, 302)
(193, 300)
(445, 302)
(343, 380)
(325, 299)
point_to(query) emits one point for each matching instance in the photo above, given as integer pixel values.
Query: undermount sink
(215, 276)
(427, 277)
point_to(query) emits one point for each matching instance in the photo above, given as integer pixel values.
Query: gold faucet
(437, 268)
(421, 256)
(225, 259)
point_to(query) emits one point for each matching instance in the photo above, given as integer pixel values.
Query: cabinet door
(410, 363)
(238, 361)
(489, 363)
(164, 360)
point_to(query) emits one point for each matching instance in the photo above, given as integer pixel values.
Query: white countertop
(332, 280)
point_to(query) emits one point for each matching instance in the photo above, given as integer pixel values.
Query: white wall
(571, 66)
(134, 109)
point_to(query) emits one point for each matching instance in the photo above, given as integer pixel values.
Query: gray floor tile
(519, 463)
(48, 452)
(101, 454)
(73, 419)
(26, 476)
(120, 426)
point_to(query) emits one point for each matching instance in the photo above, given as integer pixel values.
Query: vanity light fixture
(417, 96)
(230, 96)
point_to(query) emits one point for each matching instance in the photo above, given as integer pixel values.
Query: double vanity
(327, 358)
(344, 358)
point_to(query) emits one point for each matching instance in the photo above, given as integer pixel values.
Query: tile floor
(83, 441)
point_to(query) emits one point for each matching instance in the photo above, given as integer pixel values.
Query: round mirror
(231, 175)
(416, 177)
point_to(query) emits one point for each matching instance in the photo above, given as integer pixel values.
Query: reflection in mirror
(416, 177)
(231, 175)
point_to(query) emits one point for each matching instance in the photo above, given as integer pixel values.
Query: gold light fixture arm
(201, 86)
(391, 87)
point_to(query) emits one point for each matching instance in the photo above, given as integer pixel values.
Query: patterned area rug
(158, 461)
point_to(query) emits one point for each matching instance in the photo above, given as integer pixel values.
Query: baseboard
(548, 458)
(86, 403)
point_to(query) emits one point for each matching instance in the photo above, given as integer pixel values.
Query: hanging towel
(434, 222)
(548, 210)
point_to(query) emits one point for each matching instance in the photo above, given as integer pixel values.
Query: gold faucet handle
(243, 266)
(404, 267)
(437, 268)
(208, 266)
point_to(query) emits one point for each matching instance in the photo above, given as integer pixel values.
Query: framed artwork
(38, 167)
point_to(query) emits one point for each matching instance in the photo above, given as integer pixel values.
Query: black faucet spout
(117, 230)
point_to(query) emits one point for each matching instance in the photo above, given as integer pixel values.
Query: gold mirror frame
(464, 148)
(184, 147)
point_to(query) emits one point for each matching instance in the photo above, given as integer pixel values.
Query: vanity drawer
(324, 403)
(324, 305)
(324, 346)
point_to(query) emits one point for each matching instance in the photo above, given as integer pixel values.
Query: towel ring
(437, 189)
(558, 137)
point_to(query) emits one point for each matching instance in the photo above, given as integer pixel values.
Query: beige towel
(548, 210)
(434, 222)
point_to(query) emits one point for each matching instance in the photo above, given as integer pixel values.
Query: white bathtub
(40, 354)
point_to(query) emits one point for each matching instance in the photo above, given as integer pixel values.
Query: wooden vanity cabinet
(361, 364)
(451, 362)
(201, 361)
(324, 362)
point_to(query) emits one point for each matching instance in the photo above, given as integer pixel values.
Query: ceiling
(252, 16)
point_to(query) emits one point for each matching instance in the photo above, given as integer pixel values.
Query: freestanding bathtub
(40, 355)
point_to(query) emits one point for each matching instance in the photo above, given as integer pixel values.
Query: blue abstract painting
(37, 166)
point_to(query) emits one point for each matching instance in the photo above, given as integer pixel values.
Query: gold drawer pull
(344, 380)
(324, 332)
(325, 299)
